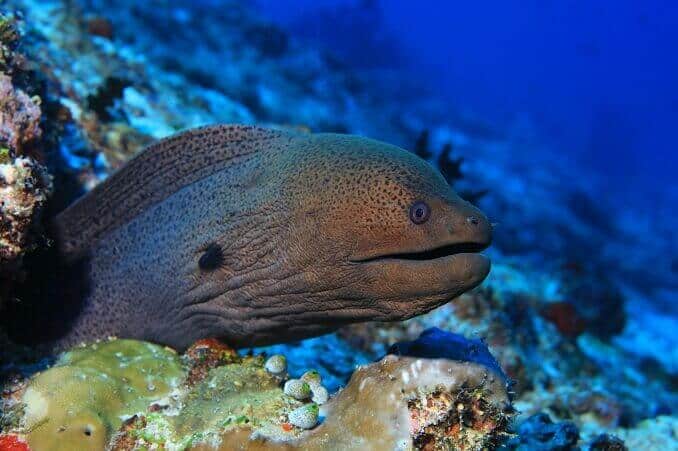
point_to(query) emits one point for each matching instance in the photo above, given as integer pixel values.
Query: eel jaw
(420, 281)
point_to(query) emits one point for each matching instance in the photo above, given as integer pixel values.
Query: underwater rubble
(81, 91)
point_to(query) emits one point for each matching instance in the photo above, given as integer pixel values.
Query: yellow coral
(81, 401)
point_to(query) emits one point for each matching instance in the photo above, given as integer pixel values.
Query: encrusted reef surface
(125, 395)
(25, 183)
(578, 309)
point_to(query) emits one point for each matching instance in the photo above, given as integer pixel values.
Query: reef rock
(416, 403)
(24, 188)
(24, 183)
(540, 432)
(213, 398)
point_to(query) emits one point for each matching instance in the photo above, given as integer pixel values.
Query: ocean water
(557, 119)
(596, 78)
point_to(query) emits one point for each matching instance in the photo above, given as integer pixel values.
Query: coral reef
(656, 433)
(558, 363)
(24, 186)
(19, 117)
(605, 442)
(597, 303)
(9, 40)
(212, 398)
(25, 183)
(539, 432)
(439, 404)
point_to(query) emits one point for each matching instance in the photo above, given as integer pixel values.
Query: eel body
(259, 236)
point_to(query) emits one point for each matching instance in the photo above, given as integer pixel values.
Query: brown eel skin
(261, 236)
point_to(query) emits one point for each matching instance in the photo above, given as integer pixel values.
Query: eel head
(381, 232)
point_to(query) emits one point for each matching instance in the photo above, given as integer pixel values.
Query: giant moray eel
(260, 236)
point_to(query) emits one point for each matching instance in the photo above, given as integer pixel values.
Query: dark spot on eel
(212, 258)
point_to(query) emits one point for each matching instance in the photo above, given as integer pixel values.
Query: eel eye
(212, 258)
(420, 212)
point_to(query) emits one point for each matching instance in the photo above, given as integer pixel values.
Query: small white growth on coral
(320, 395)
(276, 364)
(305, 417)
(36, 407)
(297, 389)
(362, 384)
(312, 377)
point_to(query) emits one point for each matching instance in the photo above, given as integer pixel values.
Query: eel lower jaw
(432, 276)
(462, 268)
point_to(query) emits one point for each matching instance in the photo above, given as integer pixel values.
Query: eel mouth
(436, 253)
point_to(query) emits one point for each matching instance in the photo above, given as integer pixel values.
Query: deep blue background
(599, 79)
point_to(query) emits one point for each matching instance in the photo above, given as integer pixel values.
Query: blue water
(598, 79)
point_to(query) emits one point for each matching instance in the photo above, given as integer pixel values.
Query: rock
(539, 432)
(25, 187)
(419, 402)
(606, 442)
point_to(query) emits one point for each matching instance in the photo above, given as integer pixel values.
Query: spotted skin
(260, 236)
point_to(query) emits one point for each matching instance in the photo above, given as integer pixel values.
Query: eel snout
(440, 268)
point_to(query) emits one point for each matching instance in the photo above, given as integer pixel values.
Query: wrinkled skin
(260, 236)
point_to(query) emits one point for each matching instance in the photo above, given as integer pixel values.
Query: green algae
(82, 400)
(9, 33)
(240, 395)
(5, 156)
(233, 396)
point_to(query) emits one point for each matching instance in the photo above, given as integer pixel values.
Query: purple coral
(19, 117)
(24, 183)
